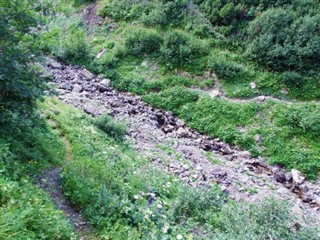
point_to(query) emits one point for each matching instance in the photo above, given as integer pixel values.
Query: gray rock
(55, 65)
(112, 26)
(227, 150)
(101, 53)
(288, 177)
(66, 86)
(258, 138)
(77, 88)
(87, 75)
(280, 177)
(181, 132)
(296, 176)
(105, 82)
(94, 110)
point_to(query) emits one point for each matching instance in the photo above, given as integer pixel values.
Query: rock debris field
(173, 147)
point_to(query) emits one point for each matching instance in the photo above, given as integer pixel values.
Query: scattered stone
(296, 176)
(284, 91)
(93, 110)
(144, 63)
(105, 82)
(86, 74)
(258, 138)
(288, 177)
(280, 177)
(227, 150)
(77, 88)
(55, 65)
(253, 85)
(261, 98)
(66, 86)
(214, 93)
(101, 53)
(99, 20)
(181, 132)
(112, 26)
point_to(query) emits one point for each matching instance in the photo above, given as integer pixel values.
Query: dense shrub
(142, 41)
(166, 13)
(73, 46)
(293, 79)
(21, 83)
(226, 69)
(80, 2)
(283, 39)
(124, 9)
(181, 49)
(107, 125)
(23, 145)
(171, 81)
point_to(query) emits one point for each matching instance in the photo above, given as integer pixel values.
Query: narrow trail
(50, 182)
(217, 92)
(173, 147)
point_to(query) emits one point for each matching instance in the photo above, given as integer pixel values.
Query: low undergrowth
(25, 210)
(27, 213)
(125, 197)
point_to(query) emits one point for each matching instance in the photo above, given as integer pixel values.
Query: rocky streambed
(179, 150)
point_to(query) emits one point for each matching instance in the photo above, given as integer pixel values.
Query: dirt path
(217, 92)
(173, 147)
(50, 182)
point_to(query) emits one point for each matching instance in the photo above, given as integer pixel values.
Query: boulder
(280, 177)
(87, 75)
(253, 85)
(181, 132)
(105, 82)
(297, 176)
(77, 88)
(55, 65)
(101, 53)
(66, 86)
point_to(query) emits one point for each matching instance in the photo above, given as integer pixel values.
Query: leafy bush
(198, 204)
(228, 70)
(172, 99)
(73, 46)
(166, 13)
(26, 213)
(124, 9)
(293, 79)
(142, 41)
(80, 2)
(181, 49)
(131, 83)
(21, 83)
(23, 143)
(305, 118)
(281, 39)
(176, 81)
(107, 125)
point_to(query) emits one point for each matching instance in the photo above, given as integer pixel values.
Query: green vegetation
(170, 53)
(165, 54)
(107, 180)
(27, 213)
